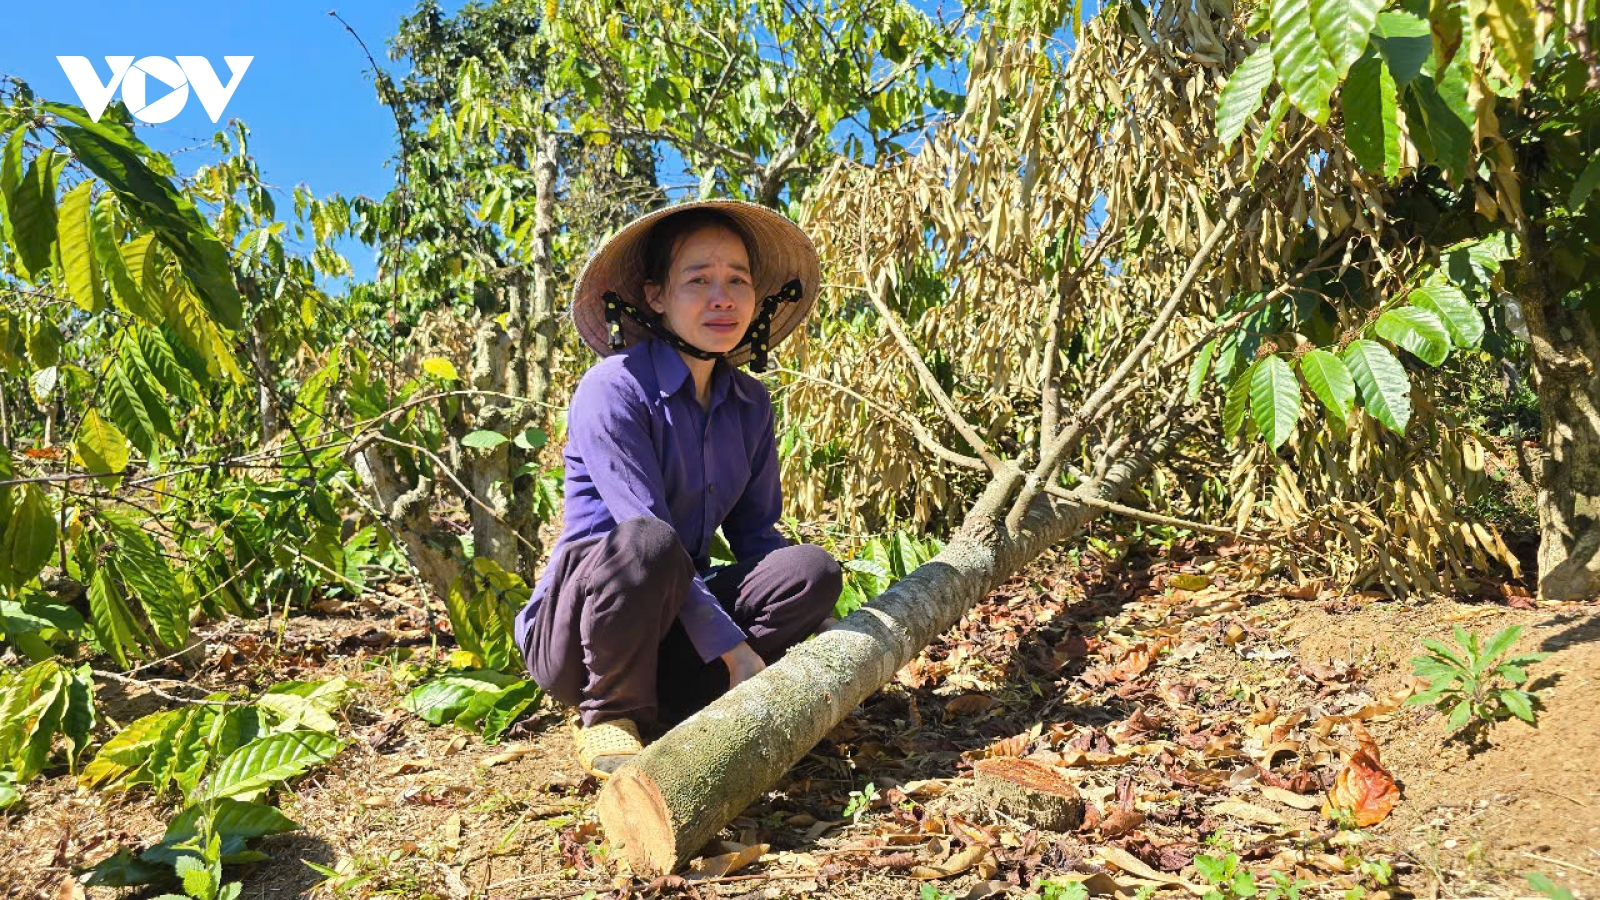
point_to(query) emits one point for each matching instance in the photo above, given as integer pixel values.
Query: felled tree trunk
(686, 786)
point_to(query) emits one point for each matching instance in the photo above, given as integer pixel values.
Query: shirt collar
(672, 372)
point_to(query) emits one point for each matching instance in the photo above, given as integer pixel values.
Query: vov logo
(134, 78)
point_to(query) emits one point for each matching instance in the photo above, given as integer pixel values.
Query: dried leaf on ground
(1363, 789)
(1139, 658)
(1289, 798)
(725, 863)
(974, 856)
(1249, 812)
(1120, 822)
(967, 705)
(1133, 865)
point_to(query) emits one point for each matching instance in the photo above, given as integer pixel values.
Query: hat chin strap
(757, 335)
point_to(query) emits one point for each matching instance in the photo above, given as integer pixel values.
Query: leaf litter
(1190, 718)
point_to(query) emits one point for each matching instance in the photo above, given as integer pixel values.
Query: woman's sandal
(607, 747)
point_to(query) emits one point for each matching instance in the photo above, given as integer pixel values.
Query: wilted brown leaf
(967, 705)
(975, 855)
(1138, 658)
(1013, 746)
(1248, 812)
(1120, 821)
(1289, 798)
(1194, 582)
(1127, 862)
(725, 863)
(1363, 789)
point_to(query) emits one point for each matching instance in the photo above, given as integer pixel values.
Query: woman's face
(709, 298)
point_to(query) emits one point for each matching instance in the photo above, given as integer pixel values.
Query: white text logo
(134, 78)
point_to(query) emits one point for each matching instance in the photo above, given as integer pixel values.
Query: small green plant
(1284, 887)
(37, 705)
(1474, 682)
(224, 757)
(1541, 883)
(1062, 890)
(929, 892)
(860, 801)
(879, 563)
(1378, 871)
(1228, 879)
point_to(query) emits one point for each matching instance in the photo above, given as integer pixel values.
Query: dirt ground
(1194, 714)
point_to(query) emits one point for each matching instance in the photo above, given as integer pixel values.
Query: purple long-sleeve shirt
(638, 444)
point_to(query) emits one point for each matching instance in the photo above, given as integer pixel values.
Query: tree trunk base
(1030, 792)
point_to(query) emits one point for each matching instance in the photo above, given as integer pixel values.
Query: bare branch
(1141, 515)
(912, 426)
(1225, 229)
(875, 292)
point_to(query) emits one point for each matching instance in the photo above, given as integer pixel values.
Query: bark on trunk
(543, 319)
(686, 786)
(266, 395)
(1566, 371)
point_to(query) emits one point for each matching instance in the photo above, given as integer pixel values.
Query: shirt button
(712, 488)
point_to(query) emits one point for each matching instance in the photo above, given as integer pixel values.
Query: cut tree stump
(1030, 792)
(676, 795)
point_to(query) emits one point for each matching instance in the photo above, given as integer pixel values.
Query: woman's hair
(665, 235)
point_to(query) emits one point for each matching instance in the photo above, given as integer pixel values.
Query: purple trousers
(606, 638)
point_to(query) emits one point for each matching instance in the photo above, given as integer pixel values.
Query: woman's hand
(743, 662)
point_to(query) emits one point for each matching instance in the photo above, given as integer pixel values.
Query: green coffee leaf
(1242, 96)
(29, 538)
(1342, 27)
(115, 627)
(256, 767)
(1304, 67)
(1417, 330)
(1237, 405)
(1585, 185)
(1451, 305)
(144, 569)
(1371, 106)
(78, 261)
(1329, 379)
(1384, 388)
(1274, 400)
(100, 446)
(483, 440)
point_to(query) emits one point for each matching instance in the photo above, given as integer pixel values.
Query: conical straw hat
(780, 252)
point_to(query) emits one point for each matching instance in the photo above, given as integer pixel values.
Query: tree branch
(922, 435)
(1153, 518)
(929, 383)
(1069, 435)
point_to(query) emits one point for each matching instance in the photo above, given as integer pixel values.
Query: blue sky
(307, 99)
